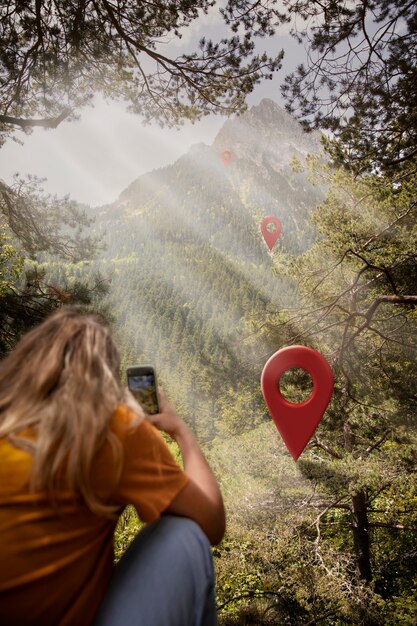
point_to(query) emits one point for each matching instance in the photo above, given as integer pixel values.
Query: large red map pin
(296, 423)
(270, 237)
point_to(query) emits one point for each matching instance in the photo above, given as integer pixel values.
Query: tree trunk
(361, 535)
(360, 526)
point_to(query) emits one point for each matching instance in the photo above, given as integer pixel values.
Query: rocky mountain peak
(266, 133)
(264, 139)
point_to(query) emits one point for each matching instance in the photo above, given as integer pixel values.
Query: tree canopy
(56, 55)
(360, 77)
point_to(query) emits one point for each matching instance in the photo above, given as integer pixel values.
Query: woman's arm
(200, 500)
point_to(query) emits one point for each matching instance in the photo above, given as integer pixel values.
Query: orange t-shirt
(55, 568)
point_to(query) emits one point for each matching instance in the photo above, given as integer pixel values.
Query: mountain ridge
(270, 136)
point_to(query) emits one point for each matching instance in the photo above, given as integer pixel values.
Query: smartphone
(141, 380)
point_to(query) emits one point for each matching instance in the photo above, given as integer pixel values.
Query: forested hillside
(190, 272)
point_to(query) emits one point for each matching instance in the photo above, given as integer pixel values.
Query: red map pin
(270, 237)
(297, 422)
(226, 157)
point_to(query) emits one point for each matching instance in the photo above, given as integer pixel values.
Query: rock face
(266, 133)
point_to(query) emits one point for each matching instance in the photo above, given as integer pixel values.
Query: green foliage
(126, 530)
(359, 80)
(402, 609)
(11, 262)
(357, 284)
(43, 223)
(269, 555)
(43, 242)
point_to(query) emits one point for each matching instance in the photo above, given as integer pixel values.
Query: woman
(75, 448)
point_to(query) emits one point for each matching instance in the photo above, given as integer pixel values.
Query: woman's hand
(167, 419)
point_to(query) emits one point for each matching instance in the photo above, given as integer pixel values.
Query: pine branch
(394, 526)
(376, 444)
(51, 122)
(317, 443)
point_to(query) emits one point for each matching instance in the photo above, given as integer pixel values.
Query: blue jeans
(165, 578)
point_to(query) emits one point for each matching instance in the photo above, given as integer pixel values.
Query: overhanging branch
(48, 122)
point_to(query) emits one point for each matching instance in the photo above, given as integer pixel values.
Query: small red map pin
(297, 422)
(270, 236)
(226, 157)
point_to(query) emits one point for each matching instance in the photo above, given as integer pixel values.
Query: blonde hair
(62, 382)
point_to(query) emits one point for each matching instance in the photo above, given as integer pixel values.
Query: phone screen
(143, 388)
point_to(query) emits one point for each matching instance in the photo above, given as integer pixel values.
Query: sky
(96, 157)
